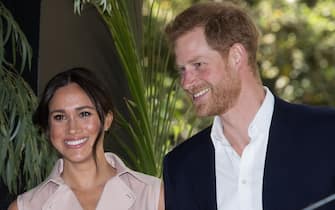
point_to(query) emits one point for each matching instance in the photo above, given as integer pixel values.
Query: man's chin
(206, 111)
(201, 112)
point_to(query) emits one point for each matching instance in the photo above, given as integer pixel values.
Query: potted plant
(25, 157)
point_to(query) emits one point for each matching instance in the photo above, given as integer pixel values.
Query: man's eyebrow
(192, 60)
(195, 59)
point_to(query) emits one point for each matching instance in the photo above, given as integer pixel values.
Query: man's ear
(237, 55)
(108, 120)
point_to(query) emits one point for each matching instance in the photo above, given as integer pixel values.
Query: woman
(74, 112)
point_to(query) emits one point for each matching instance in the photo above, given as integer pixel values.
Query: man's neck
(237, 120)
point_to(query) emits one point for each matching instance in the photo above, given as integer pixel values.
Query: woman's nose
(73, 126)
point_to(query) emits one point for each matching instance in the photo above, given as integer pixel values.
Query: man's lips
(200, 93)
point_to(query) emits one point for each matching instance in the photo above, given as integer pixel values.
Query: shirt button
(129, 196)
(244, 181)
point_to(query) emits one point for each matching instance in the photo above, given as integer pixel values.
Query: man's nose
(187, 78)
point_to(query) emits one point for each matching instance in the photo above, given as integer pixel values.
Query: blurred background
(296, 60)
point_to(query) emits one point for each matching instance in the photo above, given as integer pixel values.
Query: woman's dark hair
(90, 84)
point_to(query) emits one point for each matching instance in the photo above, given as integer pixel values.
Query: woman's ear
(108, 121)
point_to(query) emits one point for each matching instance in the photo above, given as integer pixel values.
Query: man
(261, 152)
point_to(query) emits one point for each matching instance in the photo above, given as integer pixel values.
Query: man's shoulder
(303, 110)
(191, 146)
(310, 120)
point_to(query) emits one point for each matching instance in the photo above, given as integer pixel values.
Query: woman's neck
(88, 174)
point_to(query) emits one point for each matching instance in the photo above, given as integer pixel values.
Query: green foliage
(297, 49)
(24, 155)
(152, 89)
(12, 35)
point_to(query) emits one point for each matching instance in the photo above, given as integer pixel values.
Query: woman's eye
(85, 114)
(58, 117)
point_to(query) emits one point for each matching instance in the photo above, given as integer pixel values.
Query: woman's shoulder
(123, 170)
(36, 196)
(129, 174)
(146, 179)
(144, 188)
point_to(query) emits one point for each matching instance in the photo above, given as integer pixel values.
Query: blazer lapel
(278, 155)
(204, 172)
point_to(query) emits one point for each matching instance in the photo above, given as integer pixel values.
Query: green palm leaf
(153, 91)
(25, 156)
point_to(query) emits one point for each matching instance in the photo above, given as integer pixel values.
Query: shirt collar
(121, 169)
(261, 121)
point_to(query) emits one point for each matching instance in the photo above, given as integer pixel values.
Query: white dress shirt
(239, 179)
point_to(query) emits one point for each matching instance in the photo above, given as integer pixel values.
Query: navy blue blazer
(299, 165)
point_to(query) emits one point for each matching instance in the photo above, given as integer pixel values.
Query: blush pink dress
(129, 190)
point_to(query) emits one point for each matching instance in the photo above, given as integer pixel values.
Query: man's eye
(197, 65)
(181, 70)
(58, 117)
(85, 114)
